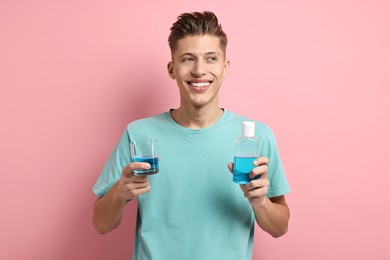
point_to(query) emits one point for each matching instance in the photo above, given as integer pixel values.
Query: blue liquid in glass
(153, 161)
(242, 167)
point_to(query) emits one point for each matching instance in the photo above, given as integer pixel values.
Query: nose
(199, 69)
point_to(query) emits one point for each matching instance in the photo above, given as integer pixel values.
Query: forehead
(198, 44)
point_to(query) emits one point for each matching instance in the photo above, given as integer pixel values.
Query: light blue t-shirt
(193, 210)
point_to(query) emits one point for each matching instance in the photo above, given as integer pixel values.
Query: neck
(196, 118)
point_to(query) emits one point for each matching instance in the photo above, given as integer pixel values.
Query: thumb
(230, 167)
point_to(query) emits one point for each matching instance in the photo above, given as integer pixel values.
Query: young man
(192, 209)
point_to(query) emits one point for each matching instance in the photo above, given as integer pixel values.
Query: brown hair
(196, 23)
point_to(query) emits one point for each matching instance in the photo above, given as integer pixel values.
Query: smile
(199, 85)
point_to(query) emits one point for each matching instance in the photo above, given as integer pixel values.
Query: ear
(226, 67)
(170, 70)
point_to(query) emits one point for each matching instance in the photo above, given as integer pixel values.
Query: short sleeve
(276, 175)
(119, 158)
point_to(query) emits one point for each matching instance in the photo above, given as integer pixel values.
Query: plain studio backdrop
(74, 73)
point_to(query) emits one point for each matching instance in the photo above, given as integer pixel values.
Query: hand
(256, 190)
(131, 186)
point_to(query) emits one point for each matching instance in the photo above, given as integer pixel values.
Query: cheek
(183, 72)
(218, 73)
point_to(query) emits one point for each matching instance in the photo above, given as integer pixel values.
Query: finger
(255, 184)
(137, 192)
(230, 167)
(128, 170)
(261, 161)
(249, 186)
(259, 170)
(139, 166)
(136, 179)
(261, 192)
(137, 185)
(256, 189)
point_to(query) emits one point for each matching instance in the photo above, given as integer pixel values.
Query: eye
(187, 59)
(212, 59)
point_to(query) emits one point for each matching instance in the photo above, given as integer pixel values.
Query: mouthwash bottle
(246, 151)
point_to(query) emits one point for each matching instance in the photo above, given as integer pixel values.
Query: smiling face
(198, 65)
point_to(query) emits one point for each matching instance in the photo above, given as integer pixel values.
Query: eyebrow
(207, 53)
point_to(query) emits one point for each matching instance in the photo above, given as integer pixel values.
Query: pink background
(74, 73)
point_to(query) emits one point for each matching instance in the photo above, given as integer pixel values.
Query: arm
(108, 210)
(272, 214)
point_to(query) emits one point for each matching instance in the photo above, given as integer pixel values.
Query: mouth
(198, 85)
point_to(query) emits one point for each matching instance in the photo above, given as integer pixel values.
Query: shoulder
(261, 127)
(148, 121)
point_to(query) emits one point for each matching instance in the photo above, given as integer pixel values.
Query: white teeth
(200, 84)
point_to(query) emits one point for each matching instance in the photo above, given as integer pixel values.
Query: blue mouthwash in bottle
(246, 151)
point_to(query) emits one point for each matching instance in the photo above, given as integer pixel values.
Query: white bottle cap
(248, 129)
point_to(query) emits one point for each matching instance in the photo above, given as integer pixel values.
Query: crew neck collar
(196, 131)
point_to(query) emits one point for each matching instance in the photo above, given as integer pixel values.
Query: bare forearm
(272, 217)
(108, 211)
